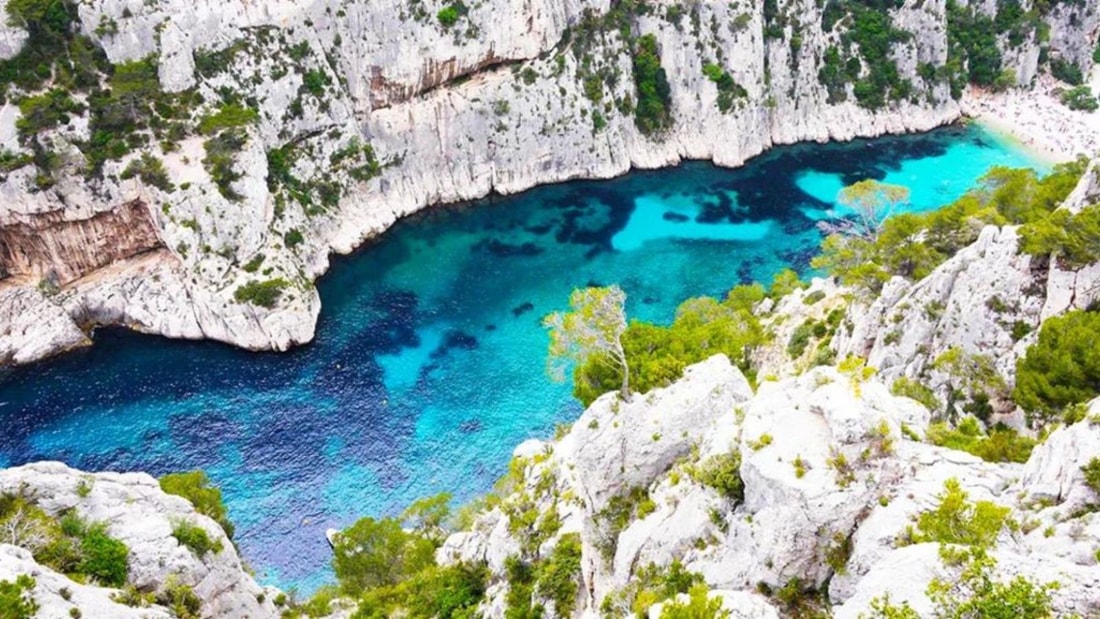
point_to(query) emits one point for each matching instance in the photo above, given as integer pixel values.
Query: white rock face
(142, 516)
(830, 481)
(35, 328)
(492, 103)
(972, 301)
(91, 601)
(987, 300)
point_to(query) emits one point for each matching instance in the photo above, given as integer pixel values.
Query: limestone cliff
(367, 111)
(833, 478)
(136, 512)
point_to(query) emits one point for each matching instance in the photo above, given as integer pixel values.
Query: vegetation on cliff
(911, 245)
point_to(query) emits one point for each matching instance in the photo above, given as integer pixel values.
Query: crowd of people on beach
(1039, 119)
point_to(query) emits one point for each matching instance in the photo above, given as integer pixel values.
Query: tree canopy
(1063, 367)
(591, 333)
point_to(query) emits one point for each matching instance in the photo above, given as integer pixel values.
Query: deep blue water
(428, 367)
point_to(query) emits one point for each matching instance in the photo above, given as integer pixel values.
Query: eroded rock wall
(45, 246)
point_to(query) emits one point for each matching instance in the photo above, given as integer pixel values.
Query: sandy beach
(1038, 120)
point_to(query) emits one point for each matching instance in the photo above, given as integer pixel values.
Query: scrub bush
(195, 538)
(207, 499)
(653, 111)
(1062, 368)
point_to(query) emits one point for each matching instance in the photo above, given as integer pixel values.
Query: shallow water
(428, 367)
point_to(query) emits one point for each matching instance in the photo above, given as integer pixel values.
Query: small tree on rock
(872, 202)
(592, 331)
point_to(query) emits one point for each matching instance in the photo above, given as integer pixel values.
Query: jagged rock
(56, 595)
(35, 328)
(1053, 473)
(796, 504)
(142, 516)
(922, 563)
(832, 484)
(619, 445)
(971, 301)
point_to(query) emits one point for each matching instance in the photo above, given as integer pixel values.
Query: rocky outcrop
(35, 328)
(56, 595)
(972, 301)
(139, 514)
(500, 100)
(43, 246)
(833, 481)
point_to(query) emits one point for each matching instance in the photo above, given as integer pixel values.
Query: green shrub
(228, 116)
(616, 516)
(652, 114)
(698, 606)
(1092, 475)
(908, 388)
(1073, 238)
(813, 297)
(180, 599)
(264, 294)
(728, 88)
(1066, 71)
(911, 245)
(17, 598)
(376, 553)
(448, 16)
(800, 339)
(972, 51)
(254, 264)
(133, 597)
(150, 170)
(314, 82)
(650, 585)
(195, 538)
(293, 238)
(521, 585)
(1062, 367)
(957, 521)
(103, 557)
(974, 593)
(195, 487)
(557, 579)
(1002, 444)
(723, 474)
(45, 111)
(657, 355)
(1080, 98)
(220, 161)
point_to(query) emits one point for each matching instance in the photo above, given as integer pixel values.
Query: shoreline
(1036, 121)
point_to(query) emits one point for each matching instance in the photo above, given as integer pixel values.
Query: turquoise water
(428, 367)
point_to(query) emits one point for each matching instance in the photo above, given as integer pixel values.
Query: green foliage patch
(1001, 444)
(657, 355)
(1062, 368)
(956, 520)
(1072, 238)
(912, 245)
(195, 538)
(650, 585)
(723, 474)
(150, 169)
(195, 486)
(653, 112)
(262, 293)
(228, 116)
